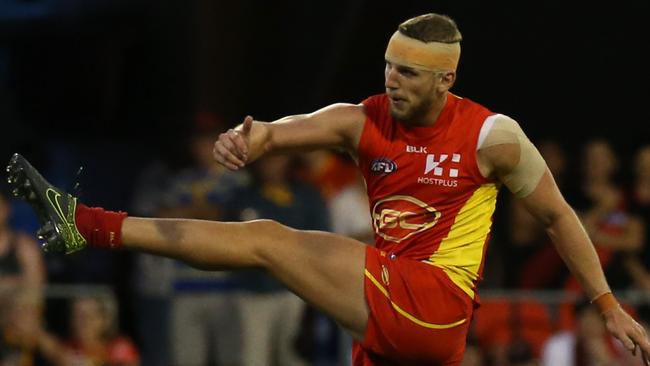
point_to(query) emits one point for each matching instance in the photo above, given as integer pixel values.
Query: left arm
(576, 249)
(514, 161)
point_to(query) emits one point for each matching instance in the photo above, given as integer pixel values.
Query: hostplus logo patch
(441, 170)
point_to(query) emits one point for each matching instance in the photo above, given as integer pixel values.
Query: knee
(277, 239)
(273, 229)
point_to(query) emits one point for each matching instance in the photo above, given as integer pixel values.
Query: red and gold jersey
(428, 200)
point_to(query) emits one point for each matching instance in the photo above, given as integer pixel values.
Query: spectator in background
(638, 264)
(329, 171)
(22, 281)
(94, 337)
(21, 261)
(153, 275)
(271, 315)
(204, 324)
(520, 353)
(21, 314)
(613, 229)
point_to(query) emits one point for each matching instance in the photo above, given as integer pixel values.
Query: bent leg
(325, 269)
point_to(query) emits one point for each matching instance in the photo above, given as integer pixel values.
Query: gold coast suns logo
(397, 218)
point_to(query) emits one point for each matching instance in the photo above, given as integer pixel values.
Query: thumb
(247, 125)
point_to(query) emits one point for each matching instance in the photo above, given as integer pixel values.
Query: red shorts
(417, 315)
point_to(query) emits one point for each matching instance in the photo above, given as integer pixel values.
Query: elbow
(550, 218)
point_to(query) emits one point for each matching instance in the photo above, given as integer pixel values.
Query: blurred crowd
(161, 312)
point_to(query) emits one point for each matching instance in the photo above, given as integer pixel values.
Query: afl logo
(397, 218)
(383, 166)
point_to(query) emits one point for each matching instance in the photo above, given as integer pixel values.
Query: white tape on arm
(523, 179)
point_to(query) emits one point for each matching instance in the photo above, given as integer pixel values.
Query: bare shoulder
(344, 113)
(345, 118)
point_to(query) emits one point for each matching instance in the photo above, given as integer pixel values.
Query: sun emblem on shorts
(384, 275)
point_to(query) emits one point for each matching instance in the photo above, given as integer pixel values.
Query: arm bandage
(523, 179)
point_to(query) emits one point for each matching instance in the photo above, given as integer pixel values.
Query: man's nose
(390, 76)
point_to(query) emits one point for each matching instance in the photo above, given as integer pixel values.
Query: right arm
(335, 126)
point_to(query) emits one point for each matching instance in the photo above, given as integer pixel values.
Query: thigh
(417, 315)
(324, 269)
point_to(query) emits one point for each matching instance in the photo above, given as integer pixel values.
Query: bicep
(533, 185)
(335, 126)
(508, 154)
(512, 159)
(546, 202)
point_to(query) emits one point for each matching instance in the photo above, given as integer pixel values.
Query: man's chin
(398, 114)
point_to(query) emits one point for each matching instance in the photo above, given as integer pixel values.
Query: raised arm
(510, 157)
(335, 126)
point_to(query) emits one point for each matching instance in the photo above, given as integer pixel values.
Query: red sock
(99, 227)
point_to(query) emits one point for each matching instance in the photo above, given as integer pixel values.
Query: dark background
(115, 84)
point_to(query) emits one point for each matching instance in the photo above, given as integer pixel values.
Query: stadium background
(113, 85)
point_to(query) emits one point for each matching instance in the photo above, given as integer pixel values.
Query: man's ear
(448, 79)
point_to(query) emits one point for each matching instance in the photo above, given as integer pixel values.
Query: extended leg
(325, 269)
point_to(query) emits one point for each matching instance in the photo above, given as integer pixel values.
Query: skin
(30, 259)
(89, 324)
(326, 269)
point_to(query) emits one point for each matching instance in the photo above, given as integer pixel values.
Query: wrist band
(605, 302)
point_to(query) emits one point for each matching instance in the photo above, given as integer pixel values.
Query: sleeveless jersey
(428, 200)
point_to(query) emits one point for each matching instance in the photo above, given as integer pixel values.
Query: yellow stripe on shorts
(406, 314)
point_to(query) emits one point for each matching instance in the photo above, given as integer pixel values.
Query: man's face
(411, 91)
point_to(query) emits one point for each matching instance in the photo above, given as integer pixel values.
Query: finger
(228, 156)
(239, 141)
(247, 125)
(641, 339)
(645, 349)
(646, 358)
(627, 342)
(219, 159)
(227, 141)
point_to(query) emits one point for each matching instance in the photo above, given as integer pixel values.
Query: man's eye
(406, 71)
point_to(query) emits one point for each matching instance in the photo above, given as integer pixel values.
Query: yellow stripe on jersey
(460, 254)
(406, 314)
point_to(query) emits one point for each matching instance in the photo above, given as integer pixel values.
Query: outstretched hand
(633, 336)
(232, 147)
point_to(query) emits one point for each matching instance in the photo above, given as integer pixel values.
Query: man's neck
(430, 119)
